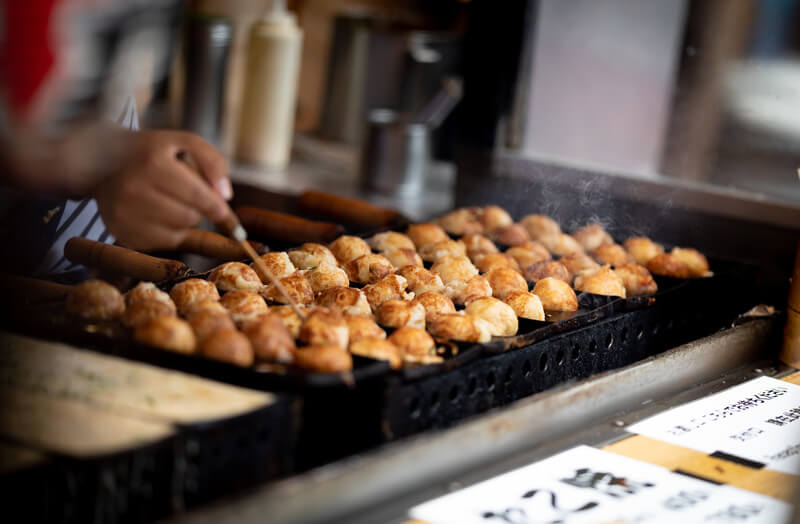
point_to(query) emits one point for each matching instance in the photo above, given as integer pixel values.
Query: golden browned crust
(637, 280)
(235, 275)
(290, 320)
(170, 333)
(601, 281)
(368, 269)
(493, 217)
(228, 345)
(206, 321)
(463, 221)
(490, 261)
(425, 233)
(347, 248)
(360, 327)
(642, 249)
(148, 291)
(346, 300)
(435, 304)
(296, 285)
(545, 269)
(477, 245)
(243, 305)
(666, 264)
(388, 288)
(510, 235)
(464, 291)
(402, 257)
(399, 313)
(526, 305)
(378, 349)
(528, 253)
(540, 226)
(420, 280)
(95, 299)
(433, 252)
(612, 255)
(413, 341)
(278, 263)
(504, 281)
(390, 240)
(591, 236)
(192, 290)
(310, 254)
(556, 295)
(271, 340)
(326, 276)
(577, 262)
(457, 326)
(323, 359)
(143, 310)
(697, 262)
(203, 305)
(454, 268)
(323, 327)
(561, 244)
(500, 316)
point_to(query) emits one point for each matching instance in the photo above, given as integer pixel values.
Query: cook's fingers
(168, 210)
(210, 162)
(186, 186)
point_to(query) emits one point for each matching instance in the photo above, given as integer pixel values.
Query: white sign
(758, 421)
(584, 485)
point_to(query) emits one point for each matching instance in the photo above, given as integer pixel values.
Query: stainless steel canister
(395, 154)
(206, 48)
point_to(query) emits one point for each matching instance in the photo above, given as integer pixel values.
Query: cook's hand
(155, 197)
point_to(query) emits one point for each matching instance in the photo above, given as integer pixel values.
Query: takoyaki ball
(204, 305)
(461, 327)
(297, 287)
(500, 316)
(235, 275)
(545, 269)
(402, 257)
(413, 341)
(207, 321)
(148, 291)
(323, 327)
(96, 300)
(420, 280)
(278, 263)
(192, 290)
(601, 281)
(462, 292)
(360, 328)
(378, 349)
(528, 253)
(326, 276)
(510, 235)
(310, 254)
(637, 280)
(612, 255)
(347, 248)
(323, 359)
(425, 233)
(399, 313)
(540, 226)
(462, 221)
(243, 305)
(228, 345)
(270, 338)
(504, 281)
(697, 262)
(291, 321)
(477, 245)
(346, 300)
(368, 269)
(390, 240)
(170, 333)
(392, 287)
(642, 249)
(556, 295)
(577, 262)
(435, 304)
(591, 236)
(526, 305)
(494, 217)
(668, 265)
(561, 245)
(433, 252)
(143, 310)
(490, 261)
(451, 268)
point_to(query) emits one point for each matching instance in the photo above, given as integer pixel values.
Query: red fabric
(27, 54)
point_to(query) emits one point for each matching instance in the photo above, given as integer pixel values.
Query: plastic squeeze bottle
(270, 90)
